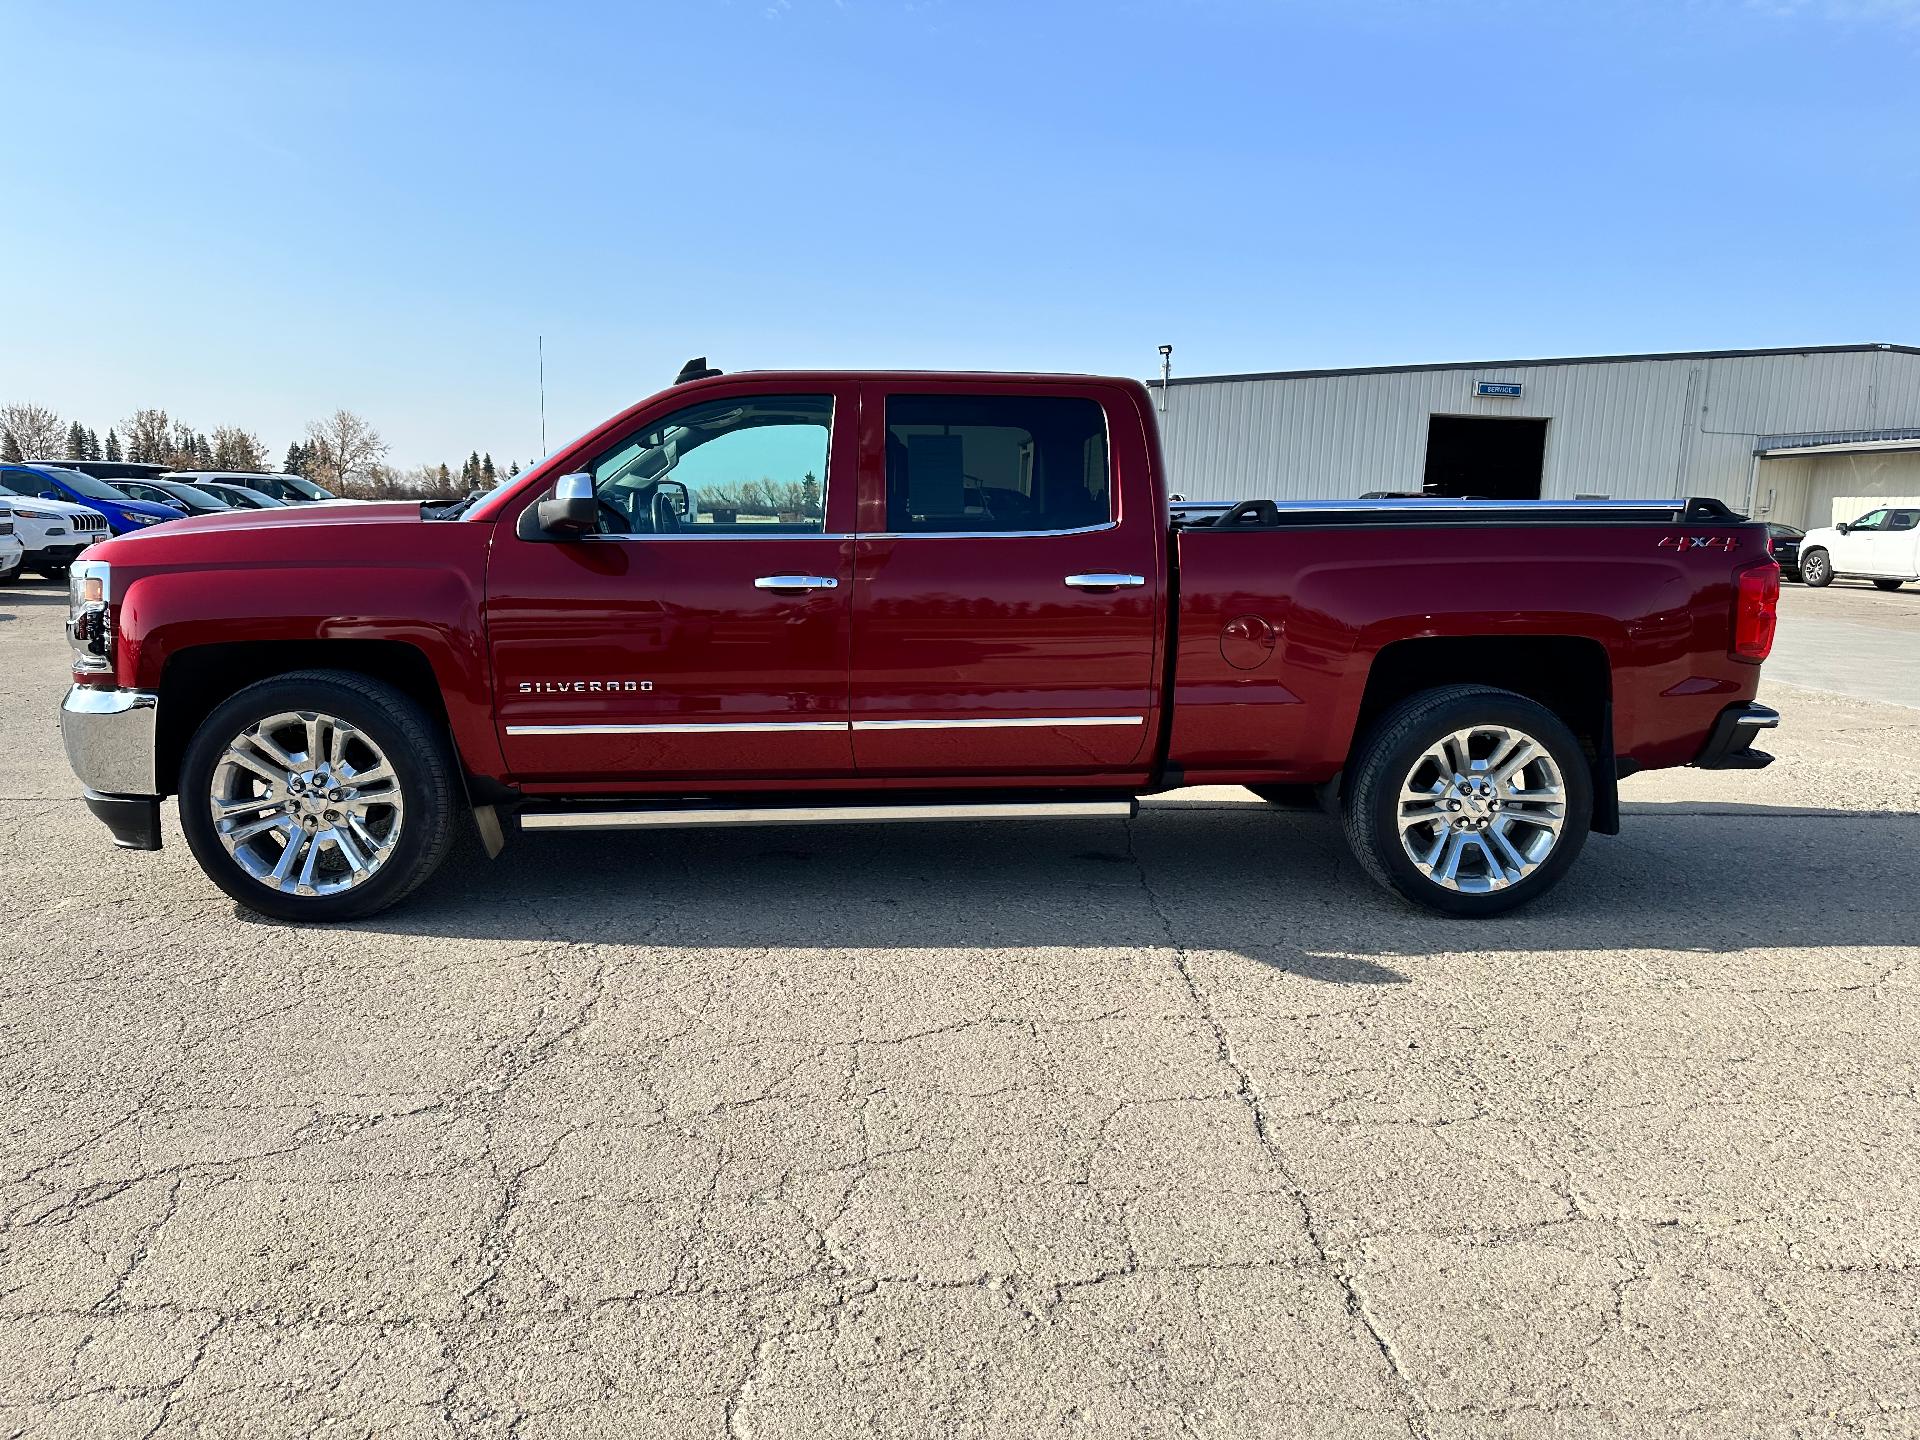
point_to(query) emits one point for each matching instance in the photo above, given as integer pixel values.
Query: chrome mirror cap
(572, 511)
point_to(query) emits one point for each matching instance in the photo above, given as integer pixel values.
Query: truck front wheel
(319, 795)
(1468, 800)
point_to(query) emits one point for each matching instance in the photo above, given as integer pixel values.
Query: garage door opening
(1471, 456)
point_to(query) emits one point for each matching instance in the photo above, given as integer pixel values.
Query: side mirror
(1844, 529)
(573, 510)
(49, 494)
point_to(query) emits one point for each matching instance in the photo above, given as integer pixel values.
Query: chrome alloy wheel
(1482, 809)
(306, 803)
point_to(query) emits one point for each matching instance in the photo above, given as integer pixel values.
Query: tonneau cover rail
(1268, 514)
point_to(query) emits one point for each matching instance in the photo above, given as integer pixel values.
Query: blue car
(123, 515)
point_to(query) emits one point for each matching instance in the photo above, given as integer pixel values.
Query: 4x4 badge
(1699, 542)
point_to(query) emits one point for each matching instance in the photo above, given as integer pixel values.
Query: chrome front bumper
(109, 736)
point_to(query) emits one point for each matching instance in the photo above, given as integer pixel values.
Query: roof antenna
(695, 369)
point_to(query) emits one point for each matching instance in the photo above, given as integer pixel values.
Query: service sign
(1505, 389)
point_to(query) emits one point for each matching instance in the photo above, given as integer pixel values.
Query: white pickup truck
(1882, 546)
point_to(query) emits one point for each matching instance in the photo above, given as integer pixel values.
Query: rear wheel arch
(1571, 675)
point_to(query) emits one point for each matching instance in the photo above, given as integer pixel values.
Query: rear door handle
(1105, 582)
(796, 582)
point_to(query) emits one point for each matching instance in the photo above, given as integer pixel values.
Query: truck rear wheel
(320, 795)
(1888, 584)
(1468, 800)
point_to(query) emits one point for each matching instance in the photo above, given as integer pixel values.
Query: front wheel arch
(424, 778)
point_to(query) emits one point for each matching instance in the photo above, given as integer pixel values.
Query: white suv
(12, 552)
(52, 532)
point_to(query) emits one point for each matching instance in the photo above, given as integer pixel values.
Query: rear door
(702, 632)
(1007, 584)
(1896, 544)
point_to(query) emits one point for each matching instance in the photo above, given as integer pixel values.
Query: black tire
(1387, 756)
(1888, 584)
(53, 572)
(1816, 569)
(413, 744)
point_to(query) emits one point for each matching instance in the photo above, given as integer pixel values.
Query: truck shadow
(1276, 887)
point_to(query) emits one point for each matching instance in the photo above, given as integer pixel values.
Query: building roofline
(1536, 364)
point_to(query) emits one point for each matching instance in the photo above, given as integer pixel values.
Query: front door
(1857, 551)
(702, 632)
(1005, 608)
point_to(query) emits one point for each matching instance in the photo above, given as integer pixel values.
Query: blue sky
(252, 214)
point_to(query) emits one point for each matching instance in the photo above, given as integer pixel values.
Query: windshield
(192, 494)
(300, 485)
(88, 486)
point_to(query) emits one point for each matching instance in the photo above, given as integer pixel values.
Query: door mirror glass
(572, 509)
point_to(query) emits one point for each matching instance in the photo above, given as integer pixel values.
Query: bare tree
(36, 430)
(147, 435)
(344, 448)
(237, 449)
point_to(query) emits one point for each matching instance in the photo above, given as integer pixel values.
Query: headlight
(36, 514)
(89, 618)
(151, 519)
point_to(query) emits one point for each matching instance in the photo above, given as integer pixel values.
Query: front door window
(744, 468)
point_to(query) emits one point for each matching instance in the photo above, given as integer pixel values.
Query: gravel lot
(1176, 1128)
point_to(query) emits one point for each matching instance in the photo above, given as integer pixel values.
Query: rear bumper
(109, 735)
(1729, 747)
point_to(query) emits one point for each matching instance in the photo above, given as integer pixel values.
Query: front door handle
(796, 582)
(1105, 582)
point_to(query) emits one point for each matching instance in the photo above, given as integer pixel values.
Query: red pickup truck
(805, 597)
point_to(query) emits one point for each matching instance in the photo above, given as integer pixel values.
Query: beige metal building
(1803, 436)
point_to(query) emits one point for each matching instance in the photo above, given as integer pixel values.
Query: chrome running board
(664, 817)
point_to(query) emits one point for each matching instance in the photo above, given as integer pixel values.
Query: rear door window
(996, 464)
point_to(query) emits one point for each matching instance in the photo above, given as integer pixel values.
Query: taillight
(1756, 610)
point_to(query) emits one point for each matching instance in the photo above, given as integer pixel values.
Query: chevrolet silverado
(807, 597)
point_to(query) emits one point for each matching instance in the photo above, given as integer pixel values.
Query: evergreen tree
(810, 493)
(113, 445)
(446, 476)
(487, 475)
(10, 448)
(513, 469)
(202, 453)
(76, 441)
(92, 451)
(296, 461)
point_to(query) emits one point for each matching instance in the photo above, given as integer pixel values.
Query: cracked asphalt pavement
(1086, 1129)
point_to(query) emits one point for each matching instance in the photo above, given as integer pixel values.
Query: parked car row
(51, 510)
